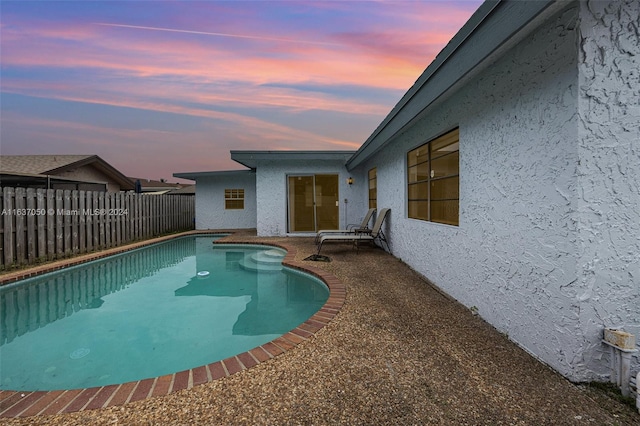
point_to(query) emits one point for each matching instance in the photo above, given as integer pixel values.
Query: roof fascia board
(290, 154)
(100, 164)
(107, 168)
(493, 24)
(50, 177)
(218, 173)
(250, 158)
(73, 165)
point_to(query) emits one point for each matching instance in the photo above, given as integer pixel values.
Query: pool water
(149, 312)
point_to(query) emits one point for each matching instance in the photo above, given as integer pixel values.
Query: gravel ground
(398, 353)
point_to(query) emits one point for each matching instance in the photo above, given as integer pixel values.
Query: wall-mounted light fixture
(350, 180)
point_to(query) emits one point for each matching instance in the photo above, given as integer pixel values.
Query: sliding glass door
(313, 202)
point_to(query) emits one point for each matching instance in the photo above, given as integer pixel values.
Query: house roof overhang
(220, 173)
(252, 158)
(106, 168)
(20, 179)
(54, 165)
(494, 27)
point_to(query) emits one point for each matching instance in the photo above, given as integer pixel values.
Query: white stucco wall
(210, 205)
(271, 185)
(607, 290)
(533, 254)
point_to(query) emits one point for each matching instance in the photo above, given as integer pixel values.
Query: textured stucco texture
(271, 188)
(547, 248)
(210, 202)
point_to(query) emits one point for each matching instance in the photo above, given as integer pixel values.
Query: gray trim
(493, 24)
(47, 176)
(220, 173)
(251, 158)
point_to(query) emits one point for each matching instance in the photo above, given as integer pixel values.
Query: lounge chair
(363, 227)
(376, 235)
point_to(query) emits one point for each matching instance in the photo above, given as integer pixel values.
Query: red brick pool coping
(26, 403)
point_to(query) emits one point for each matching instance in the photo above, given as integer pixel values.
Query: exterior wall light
(350, 180)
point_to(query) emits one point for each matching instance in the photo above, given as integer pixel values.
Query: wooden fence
(47, 224)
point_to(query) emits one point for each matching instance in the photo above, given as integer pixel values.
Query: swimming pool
(149, 312)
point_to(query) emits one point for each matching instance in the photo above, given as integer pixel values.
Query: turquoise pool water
(149, 312)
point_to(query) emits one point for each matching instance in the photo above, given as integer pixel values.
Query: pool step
(264, 261)
(269, 257)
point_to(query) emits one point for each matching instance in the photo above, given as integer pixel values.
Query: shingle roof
(37, 164)
(151, 183)
(185, 190)
(58, 164)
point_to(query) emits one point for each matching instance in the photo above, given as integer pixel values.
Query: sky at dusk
(161, 87)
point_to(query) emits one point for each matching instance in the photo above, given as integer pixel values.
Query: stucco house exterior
(512, 170)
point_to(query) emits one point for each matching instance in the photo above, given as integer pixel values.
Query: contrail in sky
(216, 34)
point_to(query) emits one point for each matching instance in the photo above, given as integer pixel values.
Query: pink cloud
(224, 66)
(126, 149)
(355, 62)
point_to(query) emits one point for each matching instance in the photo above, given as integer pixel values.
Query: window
(433, 180)
(234, 199)
(373, 188)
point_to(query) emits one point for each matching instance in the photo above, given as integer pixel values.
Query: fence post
(8, 207)
(95, 204)
(59, 222)
(101, 220)
(74, 213)
(66, 216)
(31, 225)
(20, 210)
(4, 213)
(51, 223)
(41, 208)
(82, 226)
(89, 209)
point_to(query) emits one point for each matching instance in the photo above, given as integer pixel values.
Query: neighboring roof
(39, 164)
(55, 164)
(185, 190)
(490, 27)
(219, 173)
(32, 179)
(158, 185)
(17, 175)
(250, 158)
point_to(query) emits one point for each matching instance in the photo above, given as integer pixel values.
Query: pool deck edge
(32, 403)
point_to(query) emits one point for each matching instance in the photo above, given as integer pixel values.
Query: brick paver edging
(25, 403)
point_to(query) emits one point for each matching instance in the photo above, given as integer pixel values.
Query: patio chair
(363, 227)
(376, 235)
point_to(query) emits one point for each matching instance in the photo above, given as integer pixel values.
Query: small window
(373, 188)
(433, 180)
(234, 199)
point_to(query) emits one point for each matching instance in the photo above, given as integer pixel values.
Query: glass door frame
(314, 223)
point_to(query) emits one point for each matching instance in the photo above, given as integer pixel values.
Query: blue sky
(160, 87)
